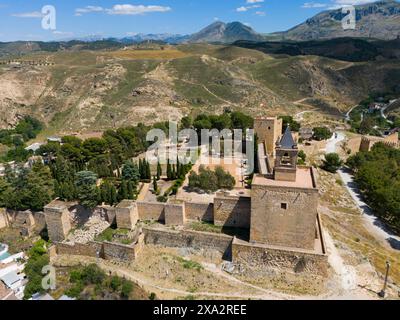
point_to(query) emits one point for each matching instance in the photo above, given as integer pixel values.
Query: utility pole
(382, 294)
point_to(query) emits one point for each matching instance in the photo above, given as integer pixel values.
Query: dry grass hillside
(93, 90)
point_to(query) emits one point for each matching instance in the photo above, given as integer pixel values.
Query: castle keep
(284, 201)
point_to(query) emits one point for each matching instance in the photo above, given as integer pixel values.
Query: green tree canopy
(86, 189)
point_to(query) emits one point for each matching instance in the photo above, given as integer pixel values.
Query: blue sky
(21, 19)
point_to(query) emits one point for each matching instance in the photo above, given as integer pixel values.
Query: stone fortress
(279, 217)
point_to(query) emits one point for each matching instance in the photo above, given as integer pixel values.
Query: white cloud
(247, 8)
(63, 33)
(260, 13)
(352, 2)
(34, 14)
(122, 9)
(129, 9)
(254, 1)
(309, 5)
(335, 4)
(88, 9)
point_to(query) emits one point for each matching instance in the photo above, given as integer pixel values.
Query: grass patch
(114, 235)
(205, 227)
(189, 264)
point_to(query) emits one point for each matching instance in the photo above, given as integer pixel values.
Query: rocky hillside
(380, 20)
(95, 90)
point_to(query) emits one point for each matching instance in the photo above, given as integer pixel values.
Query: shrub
(322, 133)
(126, 289)
(332, 162)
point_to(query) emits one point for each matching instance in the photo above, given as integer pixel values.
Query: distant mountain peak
(226, 33)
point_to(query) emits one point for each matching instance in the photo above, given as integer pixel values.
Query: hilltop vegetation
(377, 174)
(346, 49)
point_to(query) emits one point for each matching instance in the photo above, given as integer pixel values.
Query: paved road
(347, 116)
(334, 141)
(372, 223)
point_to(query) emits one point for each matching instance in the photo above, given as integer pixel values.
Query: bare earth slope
(95, 90)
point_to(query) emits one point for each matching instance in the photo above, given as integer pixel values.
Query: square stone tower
(126, 214)
(284, 204)
(269, 131)
(57, 220)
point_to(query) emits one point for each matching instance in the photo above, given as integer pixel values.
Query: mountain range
(378, 20)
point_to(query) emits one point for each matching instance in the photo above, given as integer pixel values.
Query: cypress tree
(155, 186)
(173, 172)
(178, 168)
(123, 191)
(169, 171)
(131, 190)
(113, 195)
(159, 171)
(141, 169)
(104, 194)
(148, 171)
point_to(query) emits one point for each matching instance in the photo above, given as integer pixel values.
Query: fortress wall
(23, 220)
(40, 220)
(188, 239)
(199, 211)
(121, 252)
(105, 250)
(175, 214)
(232, 211)
(151, 211)
(259, 260)
(79, 249)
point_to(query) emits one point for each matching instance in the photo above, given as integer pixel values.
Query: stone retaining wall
(121, 252)
(260, 259)
(189, 239)
(232, 211)
(90, 249)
